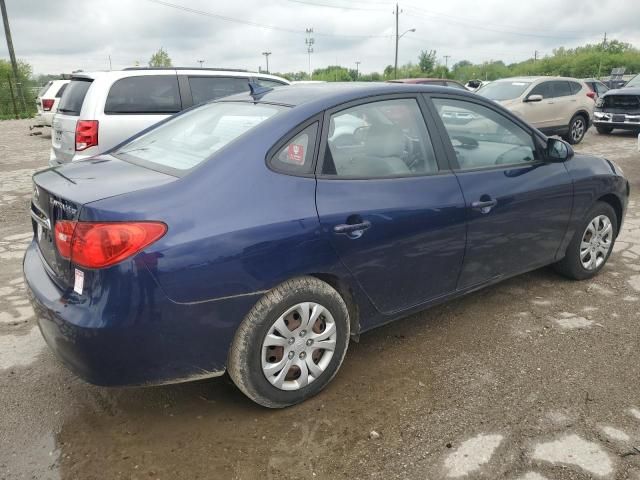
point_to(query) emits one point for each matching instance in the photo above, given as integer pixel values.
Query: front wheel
(291, 344)
(591, 245)
(577, 129)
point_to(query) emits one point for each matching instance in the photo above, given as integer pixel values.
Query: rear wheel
(604, 130)
(577, 129)
(591, 245)
(291, 344)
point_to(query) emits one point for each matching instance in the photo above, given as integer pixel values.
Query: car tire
(578, 127)
(604, 130)
(579, 254)
(261, 345)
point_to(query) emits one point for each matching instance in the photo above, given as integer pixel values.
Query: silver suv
(554, 105)
(99, 110)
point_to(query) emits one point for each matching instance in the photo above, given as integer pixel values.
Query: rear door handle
(352, 227)
(484, 206)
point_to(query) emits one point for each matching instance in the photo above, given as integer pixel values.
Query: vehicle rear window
(187, 140)
(44, 88)
(61, 90)
(150, 94)
(71, 101)
(503, 90)
(209, 88)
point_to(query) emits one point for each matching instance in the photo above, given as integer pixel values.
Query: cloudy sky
(65, 35)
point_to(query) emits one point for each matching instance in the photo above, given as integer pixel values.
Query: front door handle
(484, 206)
(352, 227)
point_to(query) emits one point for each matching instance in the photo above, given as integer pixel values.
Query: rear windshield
(505, 90)
(71, 101)
(187, 140)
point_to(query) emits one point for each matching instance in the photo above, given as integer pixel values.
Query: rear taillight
(100, 245)
(591, 94)
(47, 104)
(86, 134)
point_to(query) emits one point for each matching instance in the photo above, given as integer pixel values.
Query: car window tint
(561, 88)
(297, 155)
(600, 88)
(204, 89)
(575, 87)
(151, 94)
(543, 89)
(61, 90)
(380, 139)
(482, 137)
(269, 83)
(73, 98)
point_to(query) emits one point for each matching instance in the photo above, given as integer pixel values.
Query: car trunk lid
(60, 193)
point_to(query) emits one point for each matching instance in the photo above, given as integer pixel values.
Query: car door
(518, 205)
(566, 104)
(540, 114)
(388, 203)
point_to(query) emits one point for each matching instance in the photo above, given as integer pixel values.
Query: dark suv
(619, 108)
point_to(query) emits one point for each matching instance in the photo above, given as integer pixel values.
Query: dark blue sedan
(258, 233)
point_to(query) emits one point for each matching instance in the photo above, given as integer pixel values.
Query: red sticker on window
(295, 153)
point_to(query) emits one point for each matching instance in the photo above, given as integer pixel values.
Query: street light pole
(266, 55)
(357, 70)
(200, 62)
(395, 64)
(398, 37)
(309, 41)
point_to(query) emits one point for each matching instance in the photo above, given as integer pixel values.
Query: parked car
(474, 85)
(48, 99)
(619, 109)
(554, 105)
(247, 235)
(430, 81)
(597, 87)
(102, 109)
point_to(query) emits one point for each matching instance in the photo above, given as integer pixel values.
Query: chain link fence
(17, 100)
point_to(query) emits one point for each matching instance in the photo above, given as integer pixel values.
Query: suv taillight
(86, 134)
(591, 94)
(47, 104)
(100, 245)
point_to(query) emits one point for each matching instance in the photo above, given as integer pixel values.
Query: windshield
(187, 140)
(634, 82)
(503, 90)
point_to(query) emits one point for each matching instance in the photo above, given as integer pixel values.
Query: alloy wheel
(596, 243)
(299, 346)
(577, 129)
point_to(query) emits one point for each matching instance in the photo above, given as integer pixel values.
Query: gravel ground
(535, 378)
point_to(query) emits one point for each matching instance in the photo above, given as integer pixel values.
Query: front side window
(150, 94)
(381, 139)
(543, 89)
(204, 89)
(187, 140)
(482, 137)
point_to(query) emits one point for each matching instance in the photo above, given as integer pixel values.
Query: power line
(256, 24)
(340, 7)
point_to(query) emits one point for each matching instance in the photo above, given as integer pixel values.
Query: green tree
(427, 60)
(160, 59)
(29, 89)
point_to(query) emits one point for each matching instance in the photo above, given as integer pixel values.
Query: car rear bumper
(140, 337)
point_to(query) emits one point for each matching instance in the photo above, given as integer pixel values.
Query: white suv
(100, 110)
(48, 100)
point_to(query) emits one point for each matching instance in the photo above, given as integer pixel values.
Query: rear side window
(561, 88)
(187, 140)
(71, 101)
(61, 90)
(575, 87)
(150, 94)
(204, 89)
(297, 155)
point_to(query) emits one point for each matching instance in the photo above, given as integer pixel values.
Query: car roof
(326, 95)
(532, 79)
(418, 80)
(142, 71)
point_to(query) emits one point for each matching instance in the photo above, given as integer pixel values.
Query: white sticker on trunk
(79, 283)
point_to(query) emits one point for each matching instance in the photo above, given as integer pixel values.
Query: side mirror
(534, 98)
(558, 150)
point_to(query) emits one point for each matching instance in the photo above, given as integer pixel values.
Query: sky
(65, 35)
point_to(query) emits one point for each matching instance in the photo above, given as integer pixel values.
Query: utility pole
(357, 70)
(535, 56)
(395, 64)
(201, 62)
(309, 41)
(109, 62)
(446, 63)
(604, 44)
(266, 55)
(12, 54)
